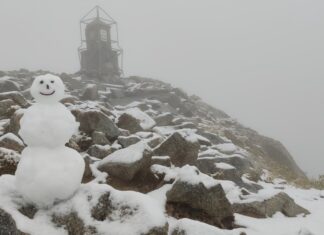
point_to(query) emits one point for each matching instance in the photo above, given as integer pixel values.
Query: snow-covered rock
(125, 163)
(11, 141)
(281, 202)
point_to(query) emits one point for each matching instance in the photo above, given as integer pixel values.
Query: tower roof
(97, 15)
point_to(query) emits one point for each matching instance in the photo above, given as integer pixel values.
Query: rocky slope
(155, 157)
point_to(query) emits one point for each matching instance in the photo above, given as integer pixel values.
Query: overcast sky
(262, 62)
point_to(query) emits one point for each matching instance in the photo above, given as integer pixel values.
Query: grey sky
(260, 61)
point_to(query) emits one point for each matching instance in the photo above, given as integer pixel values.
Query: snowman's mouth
(47, 94)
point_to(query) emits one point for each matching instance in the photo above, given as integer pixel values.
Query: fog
(259, 61)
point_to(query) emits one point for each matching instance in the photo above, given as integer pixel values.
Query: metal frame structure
(102, 15)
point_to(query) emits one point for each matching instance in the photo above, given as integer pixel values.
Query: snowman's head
(47, 89)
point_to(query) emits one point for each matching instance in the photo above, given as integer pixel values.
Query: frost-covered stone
(8, 85)
(95, 120)
(100, 138)
(6, 108)
(164, 119)
(191, 198)
(128, 122)
(281, 202)
(8, 161)
(16, 96)
(181, 150)
(14, 124)
(11, 141)
(135, 120)
(100, 151)
(127, 162)
(126, 141)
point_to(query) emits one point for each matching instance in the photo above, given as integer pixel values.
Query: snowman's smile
(47, 94)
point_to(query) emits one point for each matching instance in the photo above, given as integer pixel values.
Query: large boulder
(7, 224)
(11, 141)
(17, 97)
(281, 202)
(95, 120)
(8, 85)
(198, 200)
(126, 163)
(135, 120)
(180, 149)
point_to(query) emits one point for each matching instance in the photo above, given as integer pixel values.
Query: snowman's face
(47, 89)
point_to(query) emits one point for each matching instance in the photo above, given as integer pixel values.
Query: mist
(259, 61)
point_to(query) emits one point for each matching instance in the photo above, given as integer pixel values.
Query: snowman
(48, 171)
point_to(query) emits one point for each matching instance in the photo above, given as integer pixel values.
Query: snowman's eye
(52, 81)
(41, 82)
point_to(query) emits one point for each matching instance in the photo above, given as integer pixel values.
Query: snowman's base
(45, 176)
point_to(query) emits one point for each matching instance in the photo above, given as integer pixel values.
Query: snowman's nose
(47, 86)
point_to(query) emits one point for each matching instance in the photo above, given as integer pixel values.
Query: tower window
(103, 35)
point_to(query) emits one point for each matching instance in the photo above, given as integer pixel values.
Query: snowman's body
(48, 171)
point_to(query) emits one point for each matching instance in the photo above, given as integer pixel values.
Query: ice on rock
(48, 171)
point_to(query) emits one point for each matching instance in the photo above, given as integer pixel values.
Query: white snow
(187, 173)
(227, 148)
(131, 154)
(224, 166)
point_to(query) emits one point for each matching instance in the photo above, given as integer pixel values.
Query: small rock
(8, 161)
(100, 151)
(164, 119)
(87, 175)
(128, 122)
(6, 109)
(126, 141)
(99, 138)
(69, 100)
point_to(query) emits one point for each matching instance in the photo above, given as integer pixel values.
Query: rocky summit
(158, 162)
